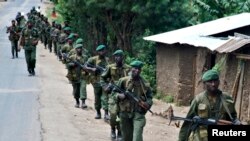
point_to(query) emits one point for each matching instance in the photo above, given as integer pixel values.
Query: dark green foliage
(207, 10)
(122, 24)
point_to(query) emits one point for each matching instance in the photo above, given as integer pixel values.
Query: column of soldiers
(119, 89)
(125, 116)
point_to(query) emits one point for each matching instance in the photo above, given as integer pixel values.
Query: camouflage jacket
(14, 33)
(114, 73)
(30, 37)
(206, 107)
(75, 72)
(140, 89)
(97, 61)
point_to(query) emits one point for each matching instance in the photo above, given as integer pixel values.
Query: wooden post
(238, 102)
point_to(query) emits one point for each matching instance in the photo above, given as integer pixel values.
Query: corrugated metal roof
(232, 45)
(198, 35)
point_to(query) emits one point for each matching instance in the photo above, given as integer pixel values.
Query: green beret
(78, 46)
(210, 75)
(71, 36)
(66, 28)
(136, 64)
(118, 52)
(79, 40)
(100, 47)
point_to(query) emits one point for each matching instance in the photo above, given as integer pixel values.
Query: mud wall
(187, 66)
(167, 69)
(200, 66)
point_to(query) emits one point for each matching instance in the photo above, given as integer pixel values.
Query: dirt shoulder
(61, 121)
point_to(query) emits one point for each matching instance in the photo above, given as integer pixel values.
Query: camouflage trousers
(113, 111)
(76, 89)
(83, 90)
(30, 56)
(101, 99)
(132, 125)
(14, 48)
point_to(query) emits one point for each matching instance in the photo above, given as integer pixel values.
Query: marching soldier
(132, 114)
(212, 103)
(94, 65)
(111, 76)
(77, 74)
(29, 37)
(14, 35)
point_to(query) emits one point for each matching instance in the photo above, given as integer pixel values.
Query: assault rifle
(99, 69)
(66, 57)
(196, 120)
(129, 95)
(12, 31)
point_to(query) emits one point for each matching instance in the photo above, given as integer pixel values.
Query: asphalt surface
(19, 104)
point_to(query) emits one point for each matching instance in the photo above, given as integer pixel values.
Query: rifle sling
(225, 106)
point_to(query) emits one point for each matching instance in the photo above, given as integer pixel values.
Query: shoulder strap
(225, 106)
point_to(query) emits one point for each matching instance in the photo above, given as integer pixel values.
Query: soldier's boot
(106, 116)
(33, 71)
(83, 104)
(77, 103)
(119, 135)
(30, 71)
(13, 55)
(113, 135)
(98, 114)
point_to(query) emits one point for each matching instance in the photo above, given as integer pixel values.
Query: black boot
(106, 116)
(30, 71)
(83, 104)
(98, 114)
(113, 135)
(77, 103)
(119, 135)
(33, 72)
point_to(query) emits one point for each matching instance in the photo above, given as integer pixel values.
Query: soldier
(95, 65)
(62, 39)
(29, 37)
(68, 46)
(77, 74)
(212, 103)
(14, 36)
(85, 51)
(111, 75)
(132, 115)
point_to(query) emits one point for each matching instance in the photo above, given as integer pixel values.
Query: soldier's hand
(121, 96)
(107, 89)
(236, 122)
(71, 64)
(145, 105)
(93, 69)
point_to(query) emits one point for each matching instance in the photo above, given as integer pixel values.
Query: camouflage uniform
(206, 107)
(111, 75)
(30, 36)
(14, 37)
(132, 116)
(100, 100)
(212, 103)
(76, 75)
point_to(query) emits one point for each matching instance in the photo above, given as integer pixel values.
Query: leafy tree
(207, 10)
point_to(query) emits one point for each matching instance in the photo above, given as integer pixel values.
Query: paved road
(18, 92)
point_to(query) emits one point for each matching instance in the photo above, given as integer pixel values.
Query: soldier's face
(29, 25)
(212, 85)
(102, 52)
(118, 59)
(79, 51)
(135, 72)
